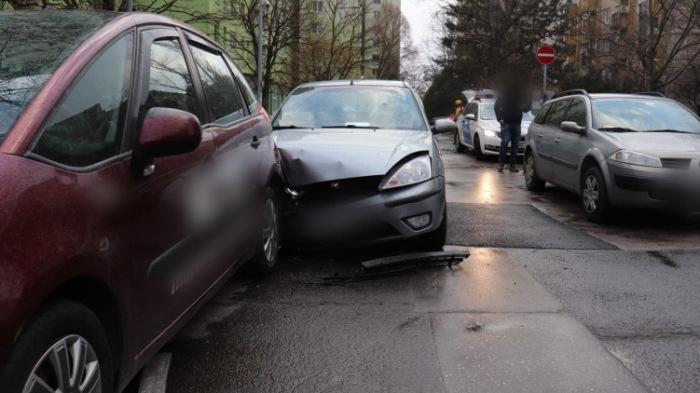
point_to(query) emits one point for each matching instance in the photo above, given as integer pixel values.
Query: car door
(168, 272)
(468, 125)
(544, 135)
(570, 147)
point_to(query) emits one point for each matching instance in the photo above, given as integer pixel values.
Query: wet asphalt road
(546, 303)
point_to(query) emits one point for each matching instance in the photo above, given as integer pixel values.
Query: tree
(486, 37)
(386, 41)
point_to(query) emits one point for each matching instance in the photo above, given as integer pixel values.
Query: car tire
(594, 196)
(477, 148)
(63, 327)
(267, 245)
(435, 240)
(532, 181)
(460, 146)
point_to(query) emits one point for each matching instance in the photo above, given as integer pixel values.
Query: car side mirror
(164, 132)
(470, 116)
(444, 125)
(570, 126)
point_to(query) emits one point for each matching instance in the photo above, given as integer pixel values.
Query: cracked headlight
(633, 158)
(414, 171)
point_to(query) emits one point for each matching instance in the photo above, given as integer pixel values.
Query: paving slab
(514, 226)
(525, 353)
(490, 280)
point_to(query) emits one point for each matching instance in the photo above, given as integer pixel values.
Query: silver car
(361, 164)
(627, 150)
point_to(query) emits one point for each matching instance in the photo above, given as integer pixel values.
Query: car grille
(341, 191)
(675, 163)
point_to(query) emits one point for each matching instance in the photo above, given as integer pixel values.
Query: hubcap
(270, 232)
(69, 366)
(591, 194)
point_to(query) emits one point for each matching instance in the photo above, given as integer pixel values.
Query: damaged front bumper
(376, 217)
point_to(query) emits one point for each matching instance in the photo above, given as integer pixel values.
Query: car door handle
(255, 142)
(557, 140)
(540, 135)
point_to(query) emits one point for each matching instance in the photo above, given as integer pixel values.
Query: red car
(137, 173)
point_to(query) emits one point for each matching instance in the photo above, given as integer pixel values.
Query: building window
(376, 14)
(606, 16)
(317, 6)
(377, 1)
(375, 57)
(606, 45)
(317, 28)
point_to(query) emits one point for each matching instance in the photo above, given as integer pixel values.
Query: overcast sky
(421, 16)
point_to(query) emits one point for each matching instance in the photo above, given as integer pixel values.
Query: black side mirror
(444, 125)
(570, 126)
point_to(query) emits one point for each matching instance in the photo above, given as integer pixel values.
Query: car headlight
(633, 158)
(490, 133)
(414, 171)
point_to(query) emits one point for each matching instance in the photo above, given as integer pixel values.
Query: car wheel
(267, 248)
(532, 181)
(477, 148)
(594, 195)
(460, 146)
(435, 240)
(62, 349)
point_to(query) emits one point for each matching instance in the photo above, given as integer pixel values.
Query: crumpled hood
(656, 141)
(319, 155)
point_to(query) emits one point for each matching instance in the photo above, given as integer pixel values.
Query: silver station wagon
(625, 150)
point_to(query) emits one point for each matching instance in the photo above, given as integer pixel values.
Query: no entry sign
(546, 55)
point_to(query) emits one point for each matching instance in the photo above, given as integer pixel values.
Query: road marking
(155, 374)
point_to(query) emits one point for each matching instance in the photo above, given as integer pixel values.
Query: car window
(170, 83)
(32, 47)
(577, 112)
(242, 83)
(223, 99)
(542, 114)
(643, 114)
(557, 113)
(351, 107)
(472, 108)
(487, 112)
(87, 126)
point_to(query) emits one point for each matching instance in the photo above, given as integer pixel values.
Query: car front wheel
(477, 148)
(62, 349)
(267, 248)
(460, 146)
(594, 196)
(532, 182)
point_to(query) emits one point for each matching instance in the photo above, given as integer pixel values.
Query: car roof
(355, 82)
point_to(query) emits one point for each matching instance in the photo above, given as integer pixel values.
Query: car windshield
(351, 107)
(488, 113)
(33, 44)
(643, 115)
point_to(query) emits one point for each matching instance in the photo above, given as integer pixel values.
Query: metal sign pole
(544, 79)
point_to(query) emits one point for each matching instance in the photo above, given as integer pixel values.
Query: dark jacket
(510, 107)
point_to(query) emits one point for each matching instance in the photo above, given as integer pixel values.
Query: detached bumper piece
(399, 263)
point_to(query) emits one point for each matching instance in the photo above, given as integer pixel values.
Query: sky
(421, 16)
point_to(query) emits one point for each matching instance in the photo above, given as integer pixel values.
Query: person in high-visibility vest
(459, 107)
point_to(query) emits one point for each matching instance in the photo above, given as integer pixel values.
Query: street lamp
(262, 3)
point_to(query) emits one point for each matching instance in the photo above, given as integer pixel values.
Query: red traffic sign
(546, 55)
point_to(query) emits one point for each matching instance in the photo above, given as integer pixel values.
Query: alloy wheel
(529, 168)
(591, 194)
(69, 366)
(270, 232)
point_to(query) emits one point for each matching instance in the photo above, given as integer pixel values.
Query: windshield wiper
(670, 130)
(286, 127)
(617, 129)
(351, 126)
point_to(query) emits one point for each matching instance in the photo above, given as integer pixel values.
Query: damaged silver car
(361, 164)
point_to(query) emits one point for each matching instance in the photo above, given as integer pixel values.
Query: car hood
(656, 141)
(311, 156)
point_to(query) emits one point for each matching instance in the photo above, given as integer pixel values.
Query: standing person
(509, 108)
(459, 107)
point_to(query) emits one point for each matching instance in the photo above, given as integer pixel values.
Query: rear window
(351, 107)
(33, 44)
